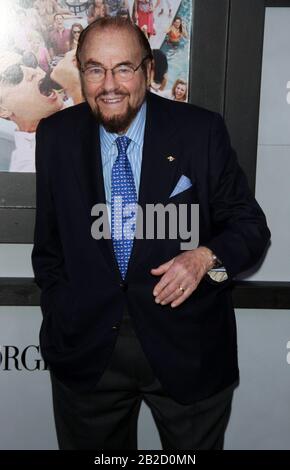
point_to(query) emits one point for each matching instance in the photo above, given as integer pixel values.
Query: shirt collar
(135, 132)
(24, 138)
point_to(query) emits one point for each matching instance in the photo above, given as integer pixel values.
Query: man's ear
(4, 113)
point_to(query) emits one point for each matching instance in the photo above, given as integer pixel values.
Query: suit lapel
(87, 162)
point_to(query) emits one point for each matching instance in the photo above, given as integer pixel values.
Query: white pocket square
(182, 184)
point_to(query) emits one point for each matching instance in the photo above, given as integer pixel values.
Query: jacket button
(123, 285)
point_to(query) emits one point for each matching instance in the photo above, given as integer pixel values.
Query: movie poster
(38, 72)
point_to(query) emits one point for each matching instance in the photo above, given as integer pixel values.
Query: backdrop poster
(38, 72)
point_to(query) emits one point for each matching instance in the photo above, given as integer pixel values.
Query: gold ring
(182, 289)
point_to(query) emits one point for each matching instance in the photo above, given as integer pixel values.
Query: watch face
(217, 262)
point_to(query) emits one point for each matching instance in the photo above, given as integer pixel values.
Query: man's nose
(110, 82)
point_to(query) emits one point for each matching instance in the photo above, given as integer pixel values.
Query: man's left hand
(181, 275)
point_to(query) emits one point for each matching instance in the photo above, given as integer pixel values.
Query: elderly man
(129, 316)
(23, 101)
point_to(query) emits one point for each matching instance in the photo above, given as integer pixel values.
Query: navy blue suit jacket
(192, 348)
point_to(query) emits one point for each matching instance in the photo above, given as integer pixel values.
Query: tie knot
(122, 144)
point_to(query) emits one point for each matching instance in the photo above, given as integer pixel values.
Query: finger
(164, 283)
(165, 290)
(162, 268)
(168, 285)
(182, 297)
(175, 295)
(179, 301)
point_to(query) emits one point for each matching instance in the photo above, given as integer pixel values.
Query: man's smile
(112, 100)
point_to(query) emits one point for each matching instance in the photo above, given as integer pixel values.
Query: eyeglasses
(14, 75)
(122, 72)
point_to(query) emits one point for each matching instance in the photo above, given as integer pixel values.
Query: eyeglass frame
(112, 69)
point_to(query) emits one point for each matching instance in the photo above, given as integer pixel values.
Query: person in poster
(176, 32)
(179, 90)
(143, 14)
(20, 91)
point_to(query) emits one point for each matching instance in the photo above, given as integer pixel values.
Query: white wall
(260, 416)
(273, 157)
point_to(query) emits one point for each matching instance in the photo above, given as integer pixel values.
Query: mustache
(46, 85)
(112, 93)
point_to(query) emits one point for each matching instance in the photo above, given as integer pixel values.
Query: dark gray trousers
(107, 417)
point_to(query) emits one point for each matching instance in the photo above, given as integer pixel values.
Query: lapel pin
(170, 158)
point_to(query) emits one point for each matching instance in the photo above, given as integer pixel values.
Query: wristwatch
(217, 275)
(216, 262)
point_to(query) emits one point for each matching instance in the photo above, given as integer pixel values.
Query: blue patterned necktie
(123, 206)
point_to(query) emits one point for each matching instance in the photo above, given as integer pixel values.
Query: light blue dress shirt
(109, 153)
